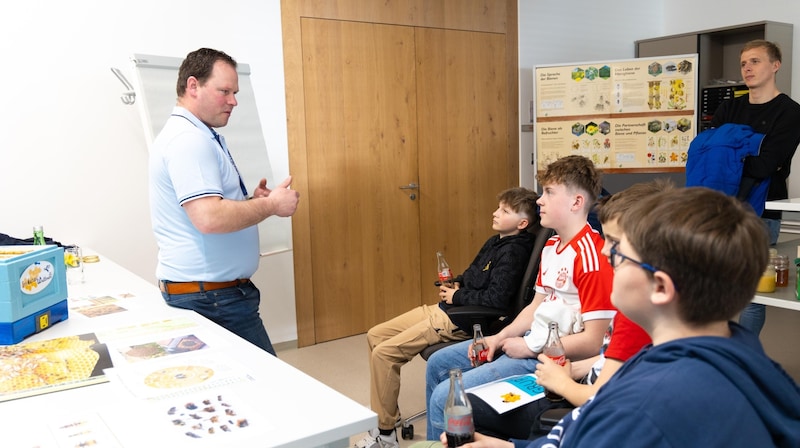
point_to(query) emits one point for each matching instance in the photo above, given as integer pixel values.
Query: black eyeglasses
(615, 261)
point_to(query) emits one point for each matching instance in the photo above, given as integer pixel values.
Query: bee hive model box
(33, 290)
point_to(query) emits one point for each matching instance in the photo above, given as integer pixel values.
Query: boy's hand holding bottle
(446, 293)
(490, 344)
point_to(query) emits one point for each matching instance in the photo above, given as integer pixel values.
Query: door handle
(411, 186)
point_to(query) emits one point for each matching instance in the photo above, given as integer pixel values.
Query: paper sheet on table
(59, 431)
(509, 393)
(178, 375)
(39, 367)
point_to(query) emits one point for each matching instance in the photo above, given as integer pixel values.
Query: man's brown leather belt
(194, 287)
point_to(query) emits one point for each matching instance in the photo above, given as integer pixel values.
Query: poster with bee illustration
(653, 142)
(627, 116)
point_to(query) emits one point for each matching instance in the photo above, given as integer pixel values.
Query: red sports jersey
(576, 281)
(578, 275)
(627, 339)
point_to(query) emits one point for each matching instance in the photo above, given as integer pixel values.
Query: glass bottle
(781, 263)
(38, 236)
(445, 275)
(459, 428)
(480, 352)
(554, 350)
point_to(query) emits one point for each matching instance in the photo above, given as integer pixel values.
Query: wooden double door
(406, 145)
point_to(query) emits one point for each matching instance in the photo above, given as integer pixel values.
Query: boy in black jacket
(491, 280)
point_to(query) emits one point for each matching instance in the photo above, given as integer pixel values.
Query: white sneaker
(374, 439)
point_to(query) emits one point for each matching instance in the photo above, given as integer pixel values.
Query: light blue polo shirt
(187, 163)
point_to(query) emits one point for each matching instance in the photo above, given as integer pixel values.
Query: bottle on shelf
(459, 427)
(480, 352)
(554, 350)
(38, 236)
(445, 275)
(781, 263)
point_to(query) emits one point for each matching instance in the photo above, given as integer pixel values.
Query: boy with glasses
(680, 273)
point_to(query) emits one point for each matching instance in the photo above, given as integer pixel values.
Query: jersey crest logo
(562, 278)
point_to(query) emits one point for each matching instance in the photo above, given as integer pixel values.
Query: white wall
(557, 31)
(74, 158)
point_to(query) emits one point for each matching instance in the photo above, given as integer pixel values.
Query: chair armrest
(468, 315)
(475, 314)
(477, 311)
(551, 417)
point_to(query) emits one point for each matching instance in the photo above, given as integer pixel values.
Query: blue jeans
(437, 375)
(773, 229)
(235, 309)
(754, 315)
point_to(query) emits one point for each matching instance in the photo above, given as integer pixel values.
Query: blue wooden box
(33, 290)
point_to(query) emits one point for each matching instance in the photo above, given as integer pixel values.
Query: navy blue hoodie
(699, 391)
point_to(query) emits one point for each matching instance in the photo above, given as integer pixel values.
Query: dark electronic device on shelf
(712, 96)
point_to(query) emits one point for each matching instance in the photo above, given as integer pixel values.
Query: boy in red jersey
(577, 381)
(573, 288)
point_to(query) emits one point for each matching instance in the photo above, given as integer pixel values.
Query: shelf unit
(718, 72)
(717, 58)
(718, 50)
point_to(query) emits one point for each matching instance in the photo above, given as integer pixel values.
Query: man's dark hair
(200, 64)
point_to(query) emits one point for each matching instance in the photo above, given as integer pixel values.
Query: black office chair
(551, 417)
(492, 320)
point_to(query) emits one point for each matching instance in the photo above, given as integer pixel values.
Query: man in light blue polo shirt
(203, 220)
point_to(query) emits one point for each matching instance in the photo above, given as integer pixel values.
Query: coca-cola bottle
(554, 350)
(480, 352)
(459, 428)
(445, 275)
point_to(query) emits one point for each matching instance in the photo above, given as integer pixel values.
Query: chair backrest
(527, 288)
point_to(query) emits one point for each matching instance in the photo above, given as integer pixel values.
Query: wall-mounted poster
(634, 115)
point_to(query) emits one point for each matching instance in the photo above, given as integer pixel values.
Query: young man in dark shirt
(777, 116)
